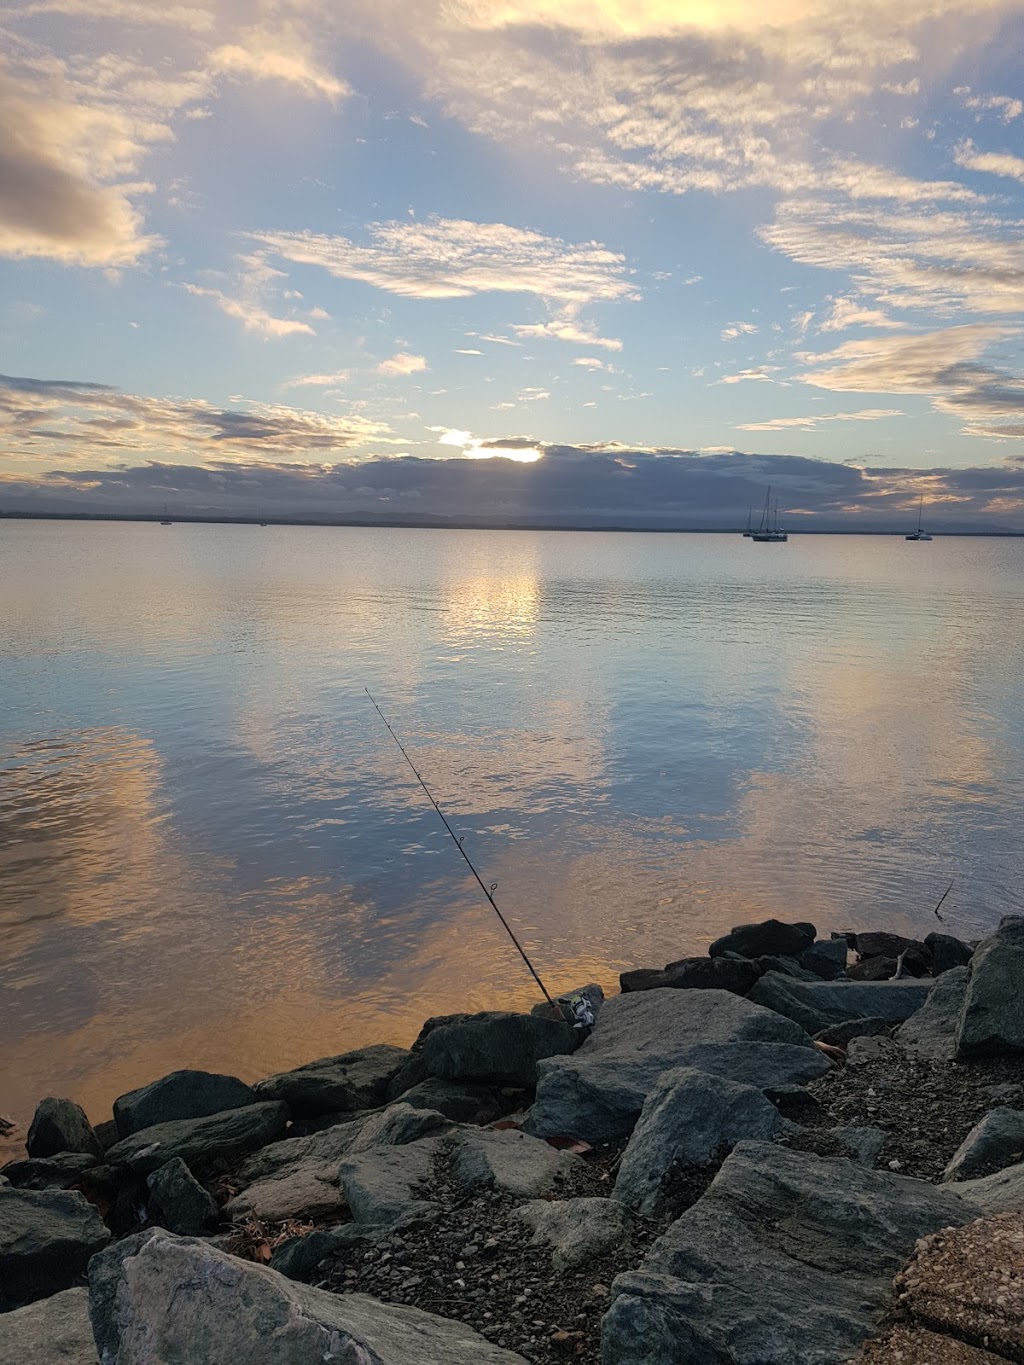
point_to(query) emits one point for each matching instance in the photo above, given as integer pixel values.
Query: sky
(594, 261)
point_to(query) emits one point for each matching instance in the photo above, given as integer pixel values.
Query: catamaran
(920, 533)
(768, 531)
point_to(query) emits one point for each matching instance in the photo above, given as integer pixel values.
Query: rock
(839, 1035)
(162, 1299)
(53, 1331)
(876, 944)
(873, 969)
(510, 1161)
(947, 952)
(864, 1144)
(787, 1258)
(353, 1080)
(964, 1281)
(179, 1203)
(61, 1126)
(198, 1141)
(688, 1119)
(788, 966)
(817, 1004)
(991, 1145)
(597, 1093)
(768, 939)
(931, 1032)
(107, 1133)
(181, 1095)
(320, 1124)
(309, 1189)
(826, 959)
(460, 1101)
(398, 1125)
(1001, 1192)
(576, 1230)
(386, 1185)
(46, 1239)
(696, 973)
(873, 1051)
(591, 990)
(60, 1172)
(992, 1020)
(300, 1258)
(914, 1345)
(497, 1048)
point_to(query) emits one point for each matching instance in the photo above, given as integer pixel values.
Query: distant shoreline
(467, 524)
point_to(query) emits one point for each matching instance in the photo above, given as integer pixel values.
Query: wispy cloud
(322, 381)
(402, 363)
(809, 422)
(278, 54)
(255, 281)
(994, 163)
(738, 329)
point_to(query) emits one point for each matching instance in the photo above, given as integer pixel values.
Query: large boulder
(695, 973)
(512, 1162)
(179, 1203)
(786, 1258)
(688, 1119)
(60, 1172)
(53, 1331)
(61, 1126)
(180, 1095)
(389, 1185)
(931, 1032)
(597, 1094)
(817, 1004)
(991, 1145)
(768, 939)
(880, 944)
(159, 1300)
(947, 952)
(575, 1230)
(199, 1141)
(496, 1048)
(992, 1019)
(351, 1081)
(46, 1239)
(826, 958)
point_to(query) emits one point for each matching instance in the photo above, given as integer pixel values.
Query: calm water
(212, 855)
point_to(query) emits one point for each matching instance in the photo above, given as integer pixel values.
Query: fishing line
(488, 892)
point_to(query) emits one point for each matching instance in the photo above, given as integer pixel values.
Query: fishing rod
(488, 892)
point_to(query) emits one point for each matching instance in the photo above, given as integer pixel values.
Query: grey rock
(864, 1144)
(53, 1331)
(300, 1258)
(60, 1172)
(179, 1203)
(817, 1004)
(788, 966)
(46, 1239)
(321, 1122)
(576, 1230)
(876, 969)
(180, 1095)
(931, 1032)
(873, 1051)
(307, 1189)
(839, 1035)
(460, 1101)
(992, 1020)
(826, 959)
(197, 1141)
(398, 1125)
(167, 1300)
(499, 1048)
(881, 944)
(353, 1080)
(510, 1161)
(787, 1258)
(61, 1126)
(597, 1093)
(947, 952)
(1001, 1192)
(993, 1144)
(389, 1185)
(728, 973)
(767, 939)
(689, 1118)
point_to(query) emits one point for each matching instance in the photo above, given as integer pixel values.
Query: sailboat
(769, 531)
(165, 520)
(920, 533)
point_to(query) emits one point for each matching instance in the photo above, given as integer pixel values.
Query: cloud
(281, 55)
(590, 362)
(1008, 107)
(762, 373)
(402, 363)
(255, 281)
(736, 329)
(323, 381)
(808, 423)
(851, 313)
(994, 163)
(42, 419)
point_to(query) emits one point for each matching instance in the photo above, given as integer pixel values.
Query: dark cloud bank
(568, 486)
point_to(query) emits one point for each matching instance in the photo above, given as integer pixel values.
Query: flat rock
(597, 1093)
(992, 1020)
(331, 1144)
(576, 1230)
(947, 952)
(351, 1081)
(161, 1300)
(310, 1188)
(46, 1239)
(913, 1345)
(60, 1172)
(767, 939)
(817, 1004)
(53, 1331)
(61, 1126)
(180, 1095)
(196, 1141)
(787, 1258)
(931, 1032)
(1001, 1192)
(179, 1203)
(688, 1119)
(839, 1035)
(388, 1185)
(695, 973)
(496, 1048)
(863, 1143)
(510, 1161)
(966, 1282)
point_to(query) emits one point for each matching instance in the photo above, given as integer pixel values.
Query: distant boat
(750, 524)
(920, 533)
(768, 531)
(165, 520)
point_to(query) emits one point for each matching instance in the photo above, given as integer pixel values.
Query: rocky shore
(792, 1151)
